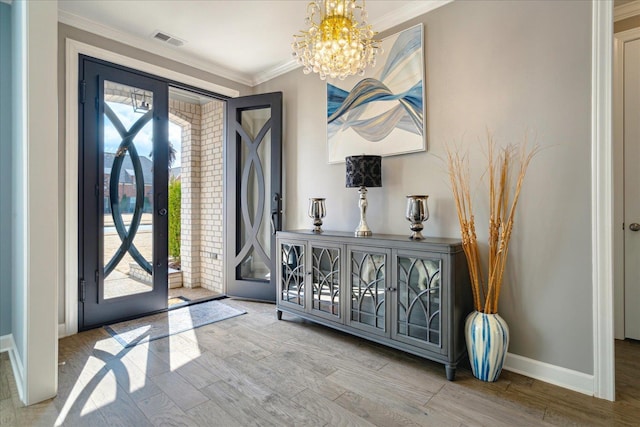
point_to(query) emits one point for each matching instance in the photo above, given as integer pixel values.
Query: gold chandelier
(336, 44)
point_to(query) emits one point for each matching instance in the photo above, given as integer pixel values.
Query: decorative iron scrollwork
(252, 229)
(126, 146)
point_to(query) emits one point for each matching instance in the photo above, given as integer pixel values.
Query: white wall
(508, 66)
(35, 207)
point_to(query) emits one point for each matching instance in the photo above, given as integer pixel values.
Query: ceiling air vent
(166, 38)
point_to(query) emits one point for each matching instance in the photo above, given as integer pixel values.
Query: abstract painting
(381, 113)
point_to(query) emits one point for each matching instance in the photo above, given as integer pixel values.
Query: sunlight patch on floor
(77, 396)
(105, 391)
(75, 393)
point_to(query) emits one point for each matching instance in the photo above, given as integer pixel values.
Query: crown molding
(150, 46)
(383, 23)
(407, 12)
(276, 71)
(626, 11)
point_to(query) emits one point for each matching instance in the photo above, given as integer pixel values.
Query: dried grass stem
(503, 200)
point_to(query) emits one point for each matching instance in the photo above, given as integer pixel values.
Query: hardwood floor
(257, 371)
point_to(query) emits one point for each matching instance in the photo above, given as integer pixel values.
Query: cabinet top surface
(377, 239)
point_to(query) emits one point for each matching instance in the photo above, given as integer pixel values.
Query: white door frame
(618, 151)
(73, 49)
(602, 199)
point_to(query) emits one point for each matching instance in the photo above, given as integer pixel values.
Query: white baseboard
(557, 375)
(8, 344)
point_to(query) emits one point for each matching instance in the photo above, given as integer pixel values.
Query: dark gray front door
(253, 179)
(124, 152)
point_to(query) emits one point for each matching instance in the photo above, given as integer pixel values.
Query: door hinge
(97, 190)
(97, 276)
(83, 91)
(82, 293)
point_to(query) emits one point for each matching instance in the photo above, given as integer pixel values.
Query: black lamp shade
(364, 171)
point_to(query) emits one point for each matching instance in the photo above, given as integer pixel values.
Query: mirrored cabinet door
(325, 281)
(291, 290)
(368, 284)
(418, 301)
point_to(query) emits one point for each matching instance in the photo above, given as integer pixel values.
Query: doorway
(626, 121)
(632, 189)
(150, 153)
(196, 181)
(627, 196)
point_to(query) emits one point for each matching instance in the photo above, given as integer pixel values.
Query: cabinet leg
(451, 372)
(279, 314)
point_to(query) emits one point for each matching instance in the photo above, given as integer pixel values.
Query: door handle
(273, 223)
(275, 209)
(634, 226)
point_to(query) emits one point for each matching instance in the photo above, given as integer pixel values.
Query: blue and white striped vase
(487, 337)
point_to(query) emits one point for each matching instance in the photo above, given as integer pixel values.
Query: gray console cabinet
(410, 295)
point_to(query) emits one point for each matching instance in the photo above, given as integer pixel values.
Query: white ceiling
(245, 41)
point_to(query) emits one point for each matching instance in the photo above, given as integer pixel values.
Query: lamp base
(363, 229)
(363, 233)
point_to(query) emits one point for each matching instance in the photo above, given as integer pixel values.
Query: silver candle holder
(317, 211)
(417, 213)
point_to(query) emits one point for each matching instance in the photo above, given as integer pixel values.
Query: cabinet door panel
(291, 257)
(325, 281)
(368, 285)
(418, 300)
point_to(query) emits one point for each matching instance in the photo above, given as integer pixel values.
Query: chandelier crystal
(336, 44)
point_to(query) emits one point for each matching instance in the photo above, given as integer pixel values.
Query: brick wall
(188, 117)
(211, 193)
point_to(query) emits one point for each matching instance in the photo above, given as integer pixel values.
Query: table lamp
(362, 172)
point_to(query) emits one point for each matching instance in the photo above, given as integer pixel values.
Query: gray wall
(64, 32)
(5, 169)
(509, 67)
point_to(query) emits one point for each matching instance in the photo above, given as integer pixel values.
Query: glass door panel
(419, 299)
(128, 190)
(255, 169)
(368, 283)
(293, 274)
(325, 281)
